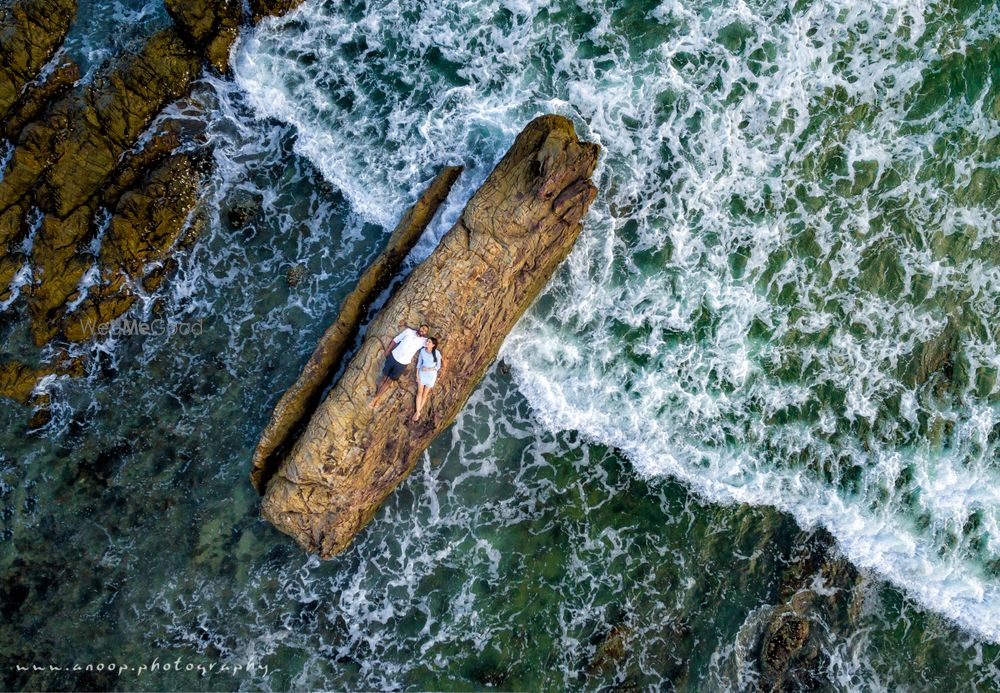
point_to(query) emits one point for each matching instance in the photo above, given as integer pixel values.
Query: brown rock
(73, 157)
(295, 274)
(10, 264)
(57, 270)
(485, 273)
(38, 95)
(612, 650)
(12, 227)
(146, 225)
(211, 26)
(271, 8)
(31, 156)
(134, 166)
(18, 380)
(30, 33)
(108, 117)
(782, 644)
(295, 406)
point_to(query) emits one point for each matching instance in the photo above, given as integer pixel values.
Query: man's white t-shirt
(408, 343)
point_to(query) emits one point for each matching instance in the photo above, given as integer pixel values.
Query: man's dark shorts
(393, 368)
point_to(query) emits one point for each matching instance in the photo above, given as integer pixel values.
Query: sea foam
(787, 216)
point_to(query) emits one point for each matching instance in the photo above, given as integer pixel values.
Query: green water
(778, 232)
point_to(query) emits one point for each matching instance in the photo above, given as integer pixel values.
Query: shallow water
(794, 198)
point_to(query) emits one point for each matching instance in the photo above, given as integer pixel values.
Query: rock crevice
(294, 407)
(472, 289)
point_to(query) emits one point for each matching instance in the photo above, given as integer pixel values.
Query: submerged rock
(295, 274)
(244, 206)
(472, 289)
(786, 662)
(293, 410)
(817, 587)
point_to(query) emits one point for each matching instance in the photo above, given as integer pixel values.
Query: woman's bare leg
(426, 395)
(421, 395)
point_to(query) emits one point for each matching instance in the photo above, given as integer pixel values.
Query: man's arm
(397, 340)
(392, 345)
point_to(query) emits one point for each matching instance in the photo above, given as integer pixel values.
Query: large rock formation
(292, 410)
(486, 271)
(83, 154)
(30, 32)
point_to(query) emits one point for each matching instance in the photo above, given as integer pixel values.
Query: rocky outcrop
(293, 410)
(37, 95)
(30, 33)
(83, 153)
(65, 162)
(271, 8)
(472, 289)
(146, 225)
(209, 27)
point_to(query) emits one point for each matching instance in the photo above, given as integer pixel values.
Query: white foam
(693, 130)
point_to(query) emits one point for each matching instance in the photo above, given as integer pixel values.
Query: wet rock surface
(84, 163)
(293, 409)
(30, 33)
(472, 289)
(271, 8)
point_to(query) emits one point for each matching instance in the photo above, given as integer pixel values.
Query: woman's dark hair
(437, 354)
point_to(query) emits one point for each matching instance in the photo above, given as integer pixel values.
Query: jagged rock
(147, 223)
(63, 162)
(198, 20)
(480, 279)
(76, 155)
(211, 26)
(132, 169)
(149, 220)
(18, 380)
(10, 264)
(57, 270)
(41, 416)
(217, 50)
(271, 8)
(38, 95)
(296, 404)
(30, 33)
(106, 120)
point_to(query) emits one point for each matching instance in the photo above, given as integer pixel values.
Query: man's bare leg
(383, 383)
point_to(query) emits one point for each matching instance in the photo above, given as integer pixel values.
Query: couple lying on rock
(398, 356)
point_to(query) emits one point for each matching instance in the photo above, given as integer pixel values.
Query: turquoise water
(794, 198)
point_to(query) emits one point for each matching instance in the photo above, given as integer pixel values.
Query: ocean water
(799, 204)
